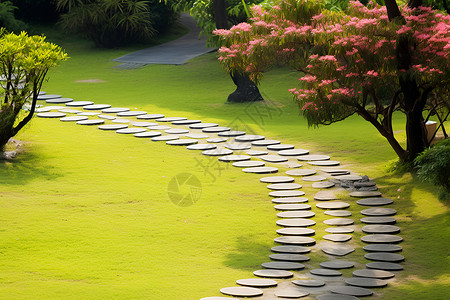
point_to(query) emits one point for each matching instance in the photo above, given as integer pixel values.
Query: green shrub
(7, 19)
(433, 165)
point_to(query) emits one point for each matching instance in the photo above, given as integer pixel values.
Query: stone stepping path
(336, 297)
(296, 217)
(51, 115)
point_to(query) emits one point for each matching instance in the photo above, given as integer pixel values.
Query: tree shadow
(249, 254)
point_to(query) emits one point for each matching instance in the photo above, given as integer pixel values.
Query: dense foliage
(7, 18)
(347, 68)
(36, 11)
(24, 63)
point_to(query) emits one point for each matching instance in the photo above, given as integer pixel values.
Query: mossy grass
(85, 214)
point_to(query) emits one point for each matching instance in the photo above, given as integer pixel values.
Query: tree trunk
(220, 14)
(246, 90)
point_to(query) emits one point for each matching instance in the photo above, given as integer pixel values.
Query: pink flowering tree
(370, 60)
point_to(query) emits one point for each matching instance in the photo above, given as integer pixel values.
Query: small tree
(24, 62)
(371, 60)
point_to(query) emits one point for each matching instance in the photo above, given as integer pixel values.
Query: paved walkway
(176, 52)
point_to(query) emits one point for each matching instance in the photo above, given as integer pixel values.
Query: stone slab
(147, 134)
(249, 138)
(256, 152)
(171, 119)
(237, 146)
(296, 214)
(338, 213)
(277, 179)
(290, 200)
(364, 194)
(79, 103)
(217, 140)
(165, 138)
(231, 133)
(385, 256)
(150, 117)
(96, 106)
(372, 273)
(114, 110)
(324, 163)
(196, 136)
(301, 172)
(260, 170)
(273, 158)
(314, 178)
(293, 152)
(366, 282)
(333, 205)
(48, 96)
(217, 152)
(374, 201)
(292, 165)
(202, 125)
(59, 100)
(186, 122)
(296, 231)
(291, 249)
(229, 158)
(325, 196)
(131, 130)
(265, 143)
(112, 127)
(91, 122)
(325, 272)
(248, 164)
(340, 229)
(337, 250)
(201, 147)
(290, 293)
(121, 121)
(131, 113)
(256, 282)
(335, 171)
(351, 290)
(348, 177)
(382, 248)
(48, 108)
(182, 142)
(176, 131)
(386, 266)
(309, 282)
(51, 115)
(215, 298)
(268, 273)
(322, 185)
(339, 222)
(382, 229)
(283, 265)
(73, 118)
(107, 117)
(159, 127)
(378, 220)
(286, 193)
(336, 297)
(89, 113)
(337, 264)
(381, 239)
(216, 129)
(295, 240)
(241, 291)
(338, 237)
(293, 207)
(143, 124)
(297, 222)
(313, 157)
(284, 186)
(280, 147)
(379, 211)
(289, 257)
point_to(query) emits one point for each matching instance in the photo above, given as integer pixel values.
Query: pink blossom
(308, 78)
(328, 57)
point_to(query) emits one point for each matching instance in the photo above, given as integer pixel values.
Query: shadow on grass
(249, 254)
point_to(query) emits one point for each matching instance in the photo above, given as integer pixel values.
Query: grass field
(85, 214)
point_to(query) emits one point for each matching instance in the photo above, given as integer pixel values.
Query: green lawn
(85, 214)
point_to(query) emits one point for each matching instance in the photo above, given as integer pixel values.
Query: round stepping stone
(231, 133)
(215, 129)
(322, 185)
(372, 273)
(386, 266)
(324, 163)
(73, 118)
(337, 250)
(143, 124)
(256, 282)
(292, 207)
(296, 222)
(196, 136)
(379, 220)
(48, 108)
(325, 196)
(147, 134)
(171, 119)
(339, 238)
(325, 272)
(277, 179)
(121, 121)
(228, 158)
(296, 231)
(114, 110)
(131, 113)
(293, 152)
(215, 298)
(286, 193)
(176, 131)
(366, 282)
(217, 140)
(256, 152)
(385, 256)
(379, 211)
(381, 239)
(382, 248)
(217, 152)
(309, 283)
(351, 290)
(150, 117)
(337, 264)
(273, 158)
(301, 172)
(340, 230)
(182, 142)
(364, 194)
(159, 127)
(336, 172)
(292, 165)
(349, 177)
(313, 157)
(165, 138)
(288, 200)
(280, 147)
(291, 249)
(91, 122)
(296, 214)
(249, 138)
(186, 122)
(295, 240)
(336, 297)
(237, 147)
(289, 257)
(131, 130)
(314, 178)
(268, 273)
(201, 147)
(248, 164)
(59, 100)
(241, 291)
(383, 229)
(46, 97)
(338, 213)
(333, 205)
(374, 201)
(290, 293)
(339, 222)
(264, 143)
(79, 103)
(203, 125)
(260, 170)
(96, 106)
(107, 117)
(51, 115)
(283, 265)
(112, 126)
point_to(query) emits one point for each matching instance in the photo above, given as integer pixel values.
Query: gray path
(176, 52)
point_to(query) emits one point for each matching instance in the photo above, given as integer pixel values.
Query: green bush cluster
(7, 18)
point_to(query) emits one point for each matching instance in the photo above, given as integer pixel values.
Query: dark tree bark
(246, 89)
(220, 14)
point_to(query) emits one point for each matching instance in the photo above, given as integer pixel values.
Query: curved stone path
(288, 271)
